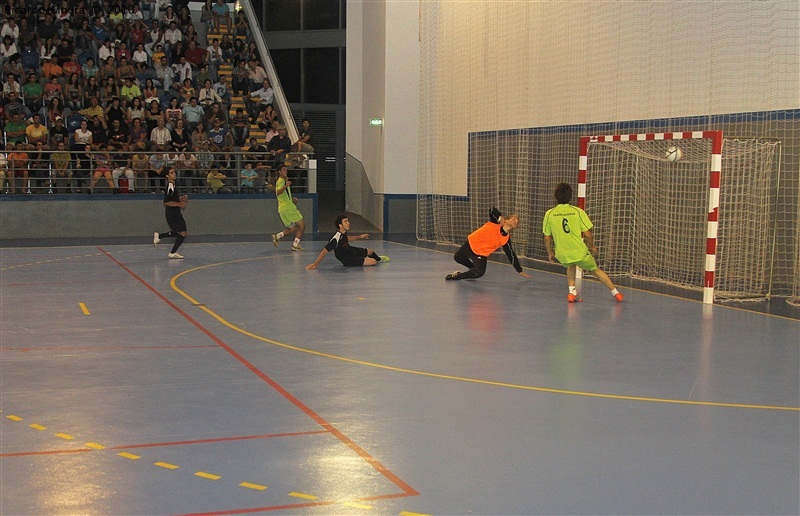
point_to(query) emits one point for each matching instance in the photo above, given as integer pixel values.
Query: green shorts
(587, 263)
(290, 216)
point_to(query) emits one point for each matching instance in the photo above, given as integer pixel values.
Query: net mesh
(650, 214)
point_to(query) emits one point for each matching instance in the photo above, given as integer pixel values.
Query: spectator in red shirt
(195, 55)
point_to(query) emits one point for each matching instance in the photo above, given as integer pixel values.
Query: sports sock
(280, 235)
(178, 241)
(614, 292)
(573, 290)
(169, 234)
(375, 256)
(296, 241)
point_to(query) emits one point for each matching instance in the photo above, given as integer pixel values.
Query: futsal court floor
(235, 381)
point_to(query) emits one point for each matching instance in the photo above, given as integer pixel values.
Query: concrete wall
(24, 217)
(382, 82)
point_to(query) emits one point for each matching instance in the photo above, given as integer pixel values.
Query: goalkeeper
(565, 225)
(484, 241)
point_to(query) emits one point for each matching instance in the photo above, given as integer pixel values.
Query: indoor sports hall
(233, 380)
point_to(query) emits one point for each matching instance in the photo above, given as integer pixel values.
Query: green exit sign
(376, 121)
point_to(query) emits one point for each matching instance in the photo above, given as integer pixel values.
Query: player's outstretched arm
(312, 266)
(512, 257)
(362, 236)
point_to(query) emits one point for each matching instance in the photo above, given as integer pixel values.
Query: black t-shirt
(171, 194)
(277, 143)
(115, 113)
(99, 134)
(118, 135)
(340, 245)
(310, 133)
(59, 135)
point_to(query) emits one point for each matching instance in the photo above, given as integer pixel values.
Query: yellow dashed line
(95, 446)
(253, 486)
(84, 309)
(127, 455)
(12, 417)
(406, 513)
(357, 505)
(65, 436)
(303, 495)
(166, 465)
(209, 476)
(37, 427)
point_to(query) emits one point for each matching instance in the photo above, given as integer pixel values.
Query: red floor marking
(217, 440)
(383, 470)
(262, 509)
(50, 452)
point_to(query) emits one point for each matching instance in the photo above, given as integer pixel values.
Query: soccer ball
(674, 153)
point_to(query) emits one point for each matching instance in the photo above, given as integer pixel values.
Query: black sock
(169, 234)
(375, 256)
(178, 241)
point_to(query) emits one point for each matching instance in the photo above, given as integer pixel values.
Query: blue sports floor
(235, 382)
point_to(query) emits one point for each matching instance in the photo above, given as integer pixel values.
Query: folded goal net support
(700, 222)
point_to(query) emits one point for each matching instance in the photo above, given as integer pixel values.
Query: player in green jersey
(570, 229)
(287, 209)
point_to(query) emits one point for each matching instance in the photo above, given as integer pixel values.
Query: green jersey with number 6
(565, 223)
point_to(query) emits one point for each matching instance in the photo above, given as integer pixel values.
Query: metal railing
(47, 172)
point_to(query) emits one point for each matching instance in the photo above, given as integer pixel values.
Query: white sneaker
(175, 256)
(297, 248)
(275, 240)
(156, 240)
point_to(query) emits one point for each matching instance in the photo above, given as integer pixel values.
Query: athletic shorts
(587, 263)
(175, 221)
(290, 215)
(354, 258)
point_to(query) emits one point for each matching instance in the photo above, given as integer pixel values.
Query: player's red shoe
(573, 298)
(619, 297)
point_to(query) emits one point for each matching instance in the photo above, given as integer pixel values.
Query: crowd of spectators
(118, 91)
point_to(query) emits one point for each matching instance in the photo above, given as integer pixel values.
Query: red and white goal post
(633, 186)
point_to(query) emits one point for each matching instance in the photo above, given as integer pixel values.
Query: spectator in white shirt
(106, 51)
(10, 28)
(140, 55)
(160, 138)
(173, 34)
(258, 100)
(183, 70)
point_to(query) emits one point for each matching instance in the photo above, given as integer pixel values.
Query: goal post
(699, 222)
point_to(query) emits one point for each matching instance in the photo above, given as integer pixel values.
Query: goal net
(702, 222)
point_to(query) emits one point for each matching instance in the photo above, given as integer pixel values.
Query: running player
(564, 225)
(350, 256)
(287, 209)
(484, 241)
(173, 204)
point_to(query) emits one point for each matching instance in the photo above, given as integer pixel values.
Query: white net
(650, 214)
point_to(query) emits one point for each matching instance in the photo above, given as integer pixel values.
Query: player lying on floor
(349, 255)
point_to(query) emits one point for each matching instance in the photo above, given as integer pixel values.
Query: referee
(173, 204)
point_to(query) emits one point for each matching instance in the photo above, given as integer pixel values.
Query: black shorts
(175, 221)
(354, 258)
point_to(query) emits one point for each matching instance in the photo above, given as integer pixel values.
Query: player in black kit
(173, 204)
(350, 256)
